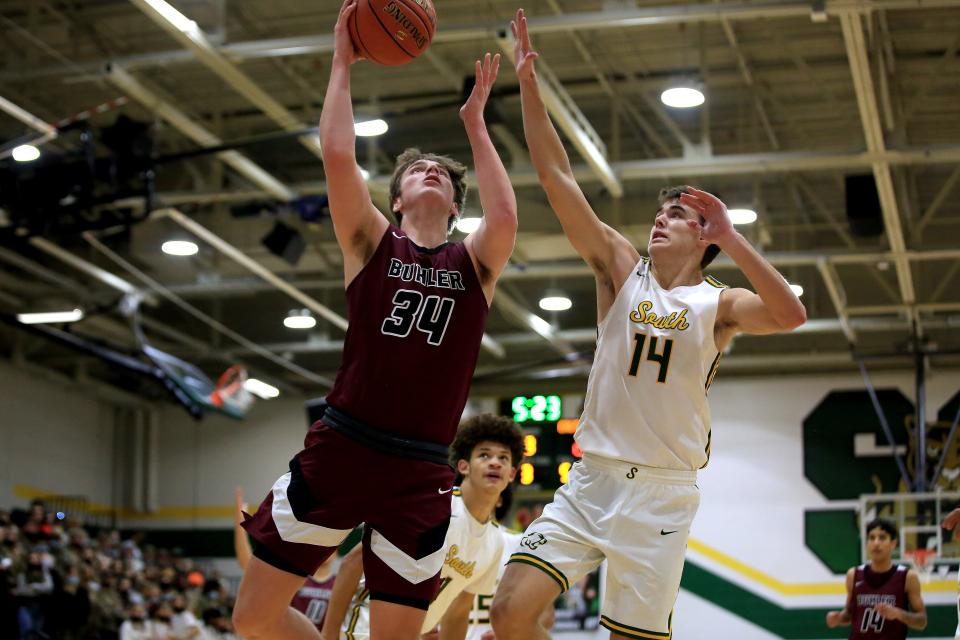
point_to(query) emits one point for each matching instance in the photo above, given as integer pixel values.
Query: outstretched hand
(951, 521)
(486, 72)
(523, 53)
(239, 504)
(717, 226)
(343, 46)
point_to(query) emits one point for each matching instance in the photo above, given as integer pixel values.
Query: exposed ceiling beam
(189, 34)
(589, 335)
(660, 170)
(935, 205)
(591, 20)
(190, 128)
(574, 269)
(854, 41)
(572, 122)
(838, 296)
(253, 266)
(47, 132)
(126, 287)
(523, 316)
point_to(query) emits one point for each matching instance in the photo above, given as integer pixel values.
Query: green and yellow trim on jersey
(706, 449)
(635, 632)
(348, 633)
(712, 373)
(543, 565)
(457, 491)
(715, 283)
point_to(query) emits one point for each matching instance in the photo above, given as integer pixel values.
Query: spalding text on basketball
(396, 12)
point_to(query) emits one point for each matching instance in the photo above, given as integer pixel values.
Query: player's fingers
(692, 202)
(495, 68)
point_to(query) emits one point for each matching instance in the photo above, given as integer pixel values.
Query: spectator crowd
(60, 579)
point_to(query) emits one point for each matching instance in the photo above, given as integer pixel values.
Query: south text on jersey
(459, 565)
(644, 314)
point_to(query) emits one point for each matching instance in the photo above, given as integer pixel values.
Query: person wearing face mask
(183, 624)
(71, 602)
(137, 626)
(216, 625)
(34, 588)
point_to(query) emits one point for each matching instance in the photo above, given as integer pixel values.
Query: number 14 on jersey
(661, 357)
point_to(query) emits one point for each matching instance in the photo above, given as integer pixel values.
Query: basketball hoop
(230, 391)
(922, 560)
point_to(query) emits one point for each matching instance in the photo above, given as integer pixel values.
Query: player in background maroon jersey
(313, 597)
(417, 306)
(878, 592)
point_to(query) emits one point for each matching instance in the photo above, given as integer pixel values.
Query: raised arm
(773, 307)
(608, 253)
(241, 543)
(357, 224)
(492, 243)
(345, 585)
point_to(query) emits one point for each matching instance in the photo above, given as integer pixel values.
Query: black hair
(487, 427)
(884, 525)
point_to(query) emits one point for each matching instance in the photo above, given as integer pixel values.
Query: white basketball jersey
(473, 553)
(480, 614)
(646, 397)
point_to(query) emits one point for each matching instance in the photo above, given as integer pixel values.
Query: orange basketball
(392, 32)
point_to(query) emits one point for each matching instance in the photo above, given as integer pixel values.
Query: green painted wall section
(833, 536)
(828, 452)
(799, 624)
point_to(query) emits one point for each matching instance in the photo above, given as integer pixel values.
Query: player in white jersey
(645, 428)
(950, 523)
(487, 451)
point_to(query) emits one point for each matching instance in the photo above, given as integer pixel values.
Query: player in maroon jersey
(878, 593)
(313, 597)
(417, 306)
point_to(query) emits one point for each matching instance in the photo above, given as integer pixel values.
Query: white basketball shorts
(636, 517)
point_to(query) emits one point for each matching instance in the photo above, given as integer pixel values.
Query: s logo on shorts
(533, 540)
(633, 473)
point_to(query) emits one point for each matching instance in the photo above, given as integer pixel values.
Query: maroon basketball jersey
(871, 589)
(312, 599)
(416, 320)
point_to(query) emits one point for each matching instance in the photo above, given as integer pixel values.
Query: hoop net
(230, 391)
(922, 560)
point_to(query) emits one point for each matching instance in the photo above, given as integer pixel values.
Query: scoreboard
(549, 448)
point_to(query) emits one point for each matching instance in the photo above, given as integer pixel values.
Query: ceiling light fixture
(261, 389)
(25, 153)
(179, 248)
(369, 128)
(555, 302)
(468, 225)
(797, 290)
(51, 317)
(299, 319)
(682, 97)
(742, 216)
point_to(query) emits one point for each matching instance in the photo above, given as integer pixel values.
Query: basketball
(392, 32)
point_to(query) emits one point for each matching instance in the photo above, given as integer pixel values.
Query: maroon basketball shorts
(336, 484)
